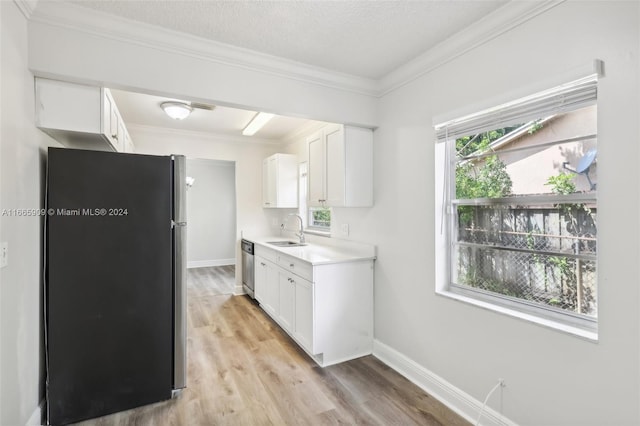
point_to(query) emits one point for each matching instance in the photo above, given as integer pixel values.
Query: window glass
(523, 227)
(320, 218)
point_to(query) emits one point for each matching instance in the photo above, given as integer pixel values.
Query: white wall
(211, 213)
(552, 378)
(22, 166)
(250, 218)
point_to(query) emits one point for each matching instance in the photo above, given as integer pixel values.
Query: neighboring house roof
(516, 134)
(510, 137)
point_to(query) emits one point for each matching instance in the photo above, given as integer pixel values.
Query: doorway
(211, 226)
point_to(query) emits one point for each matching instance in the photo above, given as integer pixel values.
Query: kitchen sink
(285, 243)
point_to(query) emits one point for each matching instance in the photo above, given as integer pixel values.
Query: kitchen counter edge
(319, 254)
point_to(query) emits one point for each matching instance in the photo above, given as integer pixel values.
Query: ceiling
(142, 109)
(362, 38)
(366, 39)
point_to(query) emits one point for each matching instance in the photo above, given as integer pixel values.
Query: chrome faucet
(301, 234)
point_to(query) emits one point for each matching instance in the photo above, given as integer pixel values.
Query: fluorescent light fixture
(176, 110)
(256, 123)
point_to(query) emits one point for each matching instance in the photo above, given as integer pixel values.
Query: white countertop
(338, 251)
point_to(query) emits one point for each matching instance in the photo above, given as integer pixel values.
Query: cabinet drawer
(296, 266)
(265, 252)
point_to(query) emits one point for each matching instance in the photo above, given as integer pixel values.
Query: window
(519, 206)
(319, 218)
(315, 218)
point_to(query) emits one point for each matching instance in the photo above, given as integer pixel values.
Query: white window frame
(524, 109)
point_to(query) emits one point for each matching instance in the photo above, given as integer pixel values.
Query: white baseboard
(456, 399)
(207, 263)
(36, 417)
(239, 290)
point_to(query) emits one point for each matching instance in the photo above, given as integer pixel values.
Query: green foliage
(488, 180)
(321, 218)
(561, 184)
(468, 145)
(535, 127)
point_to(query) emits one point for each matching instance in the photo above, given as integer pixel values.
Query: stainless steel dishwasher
(248, 274)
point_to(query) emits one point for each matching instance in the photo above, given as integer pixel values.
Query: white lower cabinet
(287, 301)
(266, 285)
(260, 279)
(327, 309)
(303, 321)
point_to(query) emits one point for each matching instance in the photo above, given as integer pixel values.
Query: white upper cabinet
(80, 116)
(280, 181)
(315, 170)
(340, 167)
(128, 143)
(112, 124)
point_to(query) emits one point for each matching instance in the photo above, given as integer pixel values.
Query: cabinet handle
(263, 264)
(291, 265)
(115, 136)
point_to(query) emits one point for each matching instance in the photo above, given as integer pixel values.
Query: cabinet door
(269, 181)
(120, 145)
(335, 165)
(303, 323)
(287, 300)
(286, 181)
(273, 289)
(260, 280)
(272, 179)
(111, 121)
(265, 183)
(316, 170)
(128, 143)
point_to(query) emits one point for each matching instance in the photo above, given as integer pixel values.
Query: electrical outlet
(344, 228)
(4, 254)
(274, 222)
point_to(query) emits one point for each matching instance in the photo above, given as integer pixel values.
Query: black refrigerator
(115, 288)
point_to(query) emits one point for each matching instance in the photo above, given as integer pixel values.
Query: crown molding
(201, 135)
(26, 7)
(88, 21)
(78, 18)
(502, 20)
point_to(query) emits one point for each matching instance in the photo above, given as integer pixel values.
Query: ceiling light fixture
(256, 123)
(176, 110)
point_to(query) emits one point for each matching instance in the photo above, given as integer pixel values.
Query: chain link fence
(542, 255)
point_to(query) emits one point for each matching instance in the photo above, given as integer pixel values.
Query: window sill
(326, 234)
(545, 322)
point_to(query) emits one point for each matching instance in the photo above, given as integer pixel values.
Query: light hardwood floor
(209, 281)
(244, 370)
